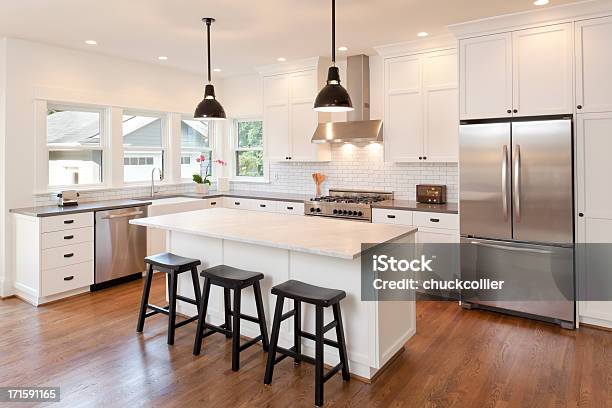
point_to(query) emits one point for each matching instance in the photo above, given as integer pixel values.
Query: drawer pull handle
(262, 205)
(434, 219)
(68, 221)
(390, 216)
(69, 278)
(236, 203)
(70, 255)
(69, 237)
(290, 208)
(213, 203)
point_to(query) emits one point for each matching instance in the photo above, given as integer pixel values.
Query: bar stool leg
(145, 299)
(196, 287)
(278, 314)
(197, 345)
(319, 356)
(172, 306)
(261, 315)
(228, 310)
(236, 332)
(297, 327)
(346, 376)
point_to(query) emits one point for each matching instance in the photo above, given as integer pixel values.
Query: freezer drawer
(538, 280)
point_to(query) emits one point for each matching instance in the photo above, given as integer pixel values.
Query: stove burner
(347, 204)
(349, 199)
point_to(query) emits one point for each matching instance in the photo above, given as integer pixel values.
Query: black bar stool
(230, 278)
(172, 265)
(320, 298)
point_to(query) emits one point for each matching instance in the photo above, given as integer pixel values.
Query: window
(75, 145)
(249, 148)
(195, 141)
(143, 146)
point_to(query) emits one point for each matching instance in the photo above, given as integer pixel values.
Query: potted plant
(202, 179)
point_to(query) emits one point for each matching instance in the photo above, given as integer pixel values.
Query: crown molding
(528, 19)
(290, 66)
(417, 46)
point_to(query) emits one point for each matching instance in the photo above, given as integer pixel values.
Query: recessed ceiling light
(343, 48)
(422, 34)
(281, 59)
(541, 2)
(162, 58)
(217, 69)
(91, 42)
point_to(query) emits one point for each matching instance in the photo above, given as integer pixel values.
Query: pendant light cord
(208, 22)
(334, 33)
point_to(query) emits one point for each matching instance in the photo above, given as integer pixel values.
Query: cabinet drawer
(214, 202)
(67, 237)
(290, 208)
(266, 205)
(64, 222)
(436, 220)
(383, 216)
(67, 278)
(240, 203)
(67, 255)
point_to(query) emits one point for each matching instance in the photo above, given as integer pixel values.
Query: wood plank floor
(88, 346)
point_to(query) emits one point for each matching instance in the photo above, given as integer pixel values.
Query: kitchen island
(319, 251)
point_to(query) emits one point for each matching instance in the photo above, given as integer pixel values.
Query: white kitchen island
(320, 251)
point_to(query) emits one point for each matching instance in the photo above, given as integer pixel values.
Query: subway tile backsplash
(352, 167)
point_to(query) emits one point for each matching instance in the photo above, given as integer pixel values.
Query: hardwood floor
(88, 346)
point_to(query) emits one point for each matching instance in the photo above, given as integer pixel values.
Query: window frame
(103, 147)
(163, 117)
(210, 148)
(235, 148)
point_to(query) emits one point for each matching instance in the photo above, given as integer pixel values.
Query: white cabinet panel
(404, 127)
(276, 131)
(303, 125)
(265, 205)
(594, 65)
(385, 216)
(485, 66)
(240, 203)
(441, 141)
(290, 208)
(67, 255)
(436, 220)
(71, 277)
(69, 221)
(67, 237)
(543, 70)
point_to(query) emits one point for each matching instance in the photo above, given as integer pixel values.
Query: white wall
(37, 71)
(2, 164)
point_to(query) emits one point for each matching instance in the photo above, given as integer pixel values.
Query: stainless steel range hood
(359, 127)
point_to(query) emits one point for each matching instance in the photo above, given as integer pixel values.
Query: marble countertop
(321, 236)
(51, 210)
(448, 208)
(256, 195)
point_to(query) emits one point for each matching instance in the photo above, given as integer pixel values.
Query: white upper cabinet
(289, 118)
(421, 121)
(485, 67)
(543, 70)
(594, 65)
(523, 73)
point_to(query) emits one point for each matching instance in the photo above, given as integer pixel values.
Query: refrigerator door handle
(508, 248)
(517, 183)
(504, 181)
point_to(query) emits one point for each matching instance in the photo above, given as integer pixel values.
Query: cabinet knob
(581, 214)
(579, 106)
(515, 111)
(424, 157)
(509, 111)
(420, 157)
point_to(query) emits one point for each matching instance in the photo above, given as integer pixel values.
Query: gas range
(348, 204)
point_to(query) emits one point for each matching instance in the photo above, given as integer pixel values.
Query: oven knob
(312, 210)
(360, 213)
(335, 211)
(318, 210)
(344, 212)
(350, 213)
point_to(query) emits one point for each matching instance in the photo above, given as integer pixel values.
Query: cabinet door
(542, 72)
(276, 117)
(485, 77)
(441, 140)
(594, 65)
(404, 109)
(594, 165)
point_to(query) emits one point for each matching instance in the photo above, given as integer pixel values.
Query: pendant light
(209, 108)
(333, 97)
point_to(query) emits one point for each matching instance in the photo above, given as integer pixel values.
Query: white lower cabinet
(266, 205)
(290, 208)
(54, 256)
(433, 227)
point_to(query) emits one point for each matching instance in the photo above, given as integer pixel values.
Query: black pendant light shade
(209, 108)
(333, 97)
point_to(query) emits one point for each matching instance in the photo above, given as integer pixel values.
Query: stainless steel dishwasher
(120, 246)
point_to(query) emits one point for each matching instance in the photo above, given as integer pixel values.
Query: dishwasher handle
(130, 214)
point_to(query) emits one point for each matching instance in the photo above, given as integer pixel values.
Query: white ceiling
(247, 33)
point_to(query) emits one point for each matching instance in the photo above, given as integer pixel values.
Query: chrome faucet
(161, 177)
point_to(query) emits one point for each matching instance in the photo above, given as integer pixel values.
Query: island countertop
(321, 236)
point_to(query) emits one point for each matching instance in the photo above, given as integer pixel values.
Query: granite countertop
(335, 238)
(448, 208)
(51, 210)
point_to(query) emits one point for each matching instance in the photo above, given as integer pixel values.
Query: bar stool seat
(172, 265)
(230, 277)
(320, 298)
(307, 293)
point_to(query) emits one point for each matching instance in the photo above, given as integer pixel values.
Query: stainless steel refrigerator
(516, 216)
